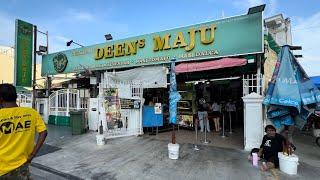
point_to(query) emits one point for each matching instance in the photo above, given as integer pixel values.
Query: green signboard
(226, 37)
(23, 54)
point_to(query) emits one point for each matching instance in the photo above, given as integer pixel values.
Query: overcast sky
(86, 21)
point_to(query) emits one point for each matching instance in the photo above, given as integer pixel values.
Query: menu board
(112, 108)
(129, 103)
(157, 108)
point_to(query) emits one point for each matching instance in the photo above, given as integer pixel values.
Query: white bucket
(173, 150)
(100, 139)
(288, 164)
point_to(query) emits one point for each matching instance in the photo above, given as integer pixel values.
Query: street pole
(49, 79)
(47, 33)
(34, 68)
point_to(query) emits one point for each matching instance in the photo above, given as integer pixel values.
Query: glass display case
(185, 109)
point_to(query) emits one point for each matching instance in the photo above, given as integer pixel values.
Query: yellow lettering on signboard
(99, 53)
(141, 43)
(161, 44)
(179, 41)
(131, 48)
(203, 33)
(119, 50)
(192, 34)
(108, 51)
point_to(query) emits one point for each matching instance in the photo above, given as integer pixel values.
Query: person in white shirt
(216, 112)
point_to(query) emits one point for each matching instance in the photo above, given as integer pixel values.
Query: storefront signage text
(159, 43)
(232, 36)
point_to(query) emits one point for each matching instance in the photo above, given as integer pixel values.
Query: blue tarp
(174, 95)
(316, 80)
(290, 91)
(150, 119)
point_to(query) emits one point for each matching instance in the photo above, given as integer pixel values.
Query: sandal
(264, 167)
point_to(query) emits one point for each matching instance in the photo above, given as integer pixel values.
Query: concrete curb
(55, 172)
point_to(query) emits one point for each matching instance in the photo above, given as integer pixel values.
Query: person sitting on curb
(272, 143)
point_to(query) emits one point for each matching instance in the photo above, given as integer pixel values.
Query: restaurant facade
(219, 61)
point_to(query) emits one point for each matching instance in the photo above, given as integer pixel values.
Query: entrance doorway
(225, 86)
(220, 90)
(227, 94)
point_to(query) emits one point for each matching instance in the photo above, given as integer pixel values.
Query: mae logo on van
(60, 62)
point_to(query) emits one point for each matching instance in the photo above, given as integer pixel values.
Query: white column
(141, 105)
(46, 110)
(253, 121)
(57, 102)
(68, 99)
(78, 99)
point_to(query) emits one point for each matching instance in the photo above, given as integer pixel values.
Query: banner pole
(34, 67)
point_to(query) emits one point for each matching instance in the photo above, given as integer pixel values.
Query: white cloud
(62, 38)
(58, 43)
(7, 31)
(271, 8)
(306, 33)
(80, 15)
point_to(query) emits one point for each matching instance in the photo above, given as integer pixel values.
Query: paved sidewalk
(147, 158)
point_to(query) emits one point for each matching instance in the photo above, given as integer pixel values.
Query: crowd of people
(272, 142)
(213, 111)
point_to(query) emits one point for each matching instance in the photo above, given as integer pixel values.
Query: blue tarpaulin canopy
(174, 95)
(316, 80)
(290, 92)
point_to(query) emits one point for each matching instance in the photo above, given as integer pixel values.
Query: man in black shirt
(271, 144)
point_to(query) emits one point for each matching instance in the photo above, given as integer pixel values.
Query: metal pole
(77, 44)
(34, 67)
(258, 74)
(68, 103)
(195, 147)
(141, 96)
(48, 78)
(205, 121)
(173, 140)
(223, 135)
(230, 131)
(47, 42)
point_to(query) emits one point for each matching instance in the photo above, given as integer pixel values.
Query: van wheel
(318, 141)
